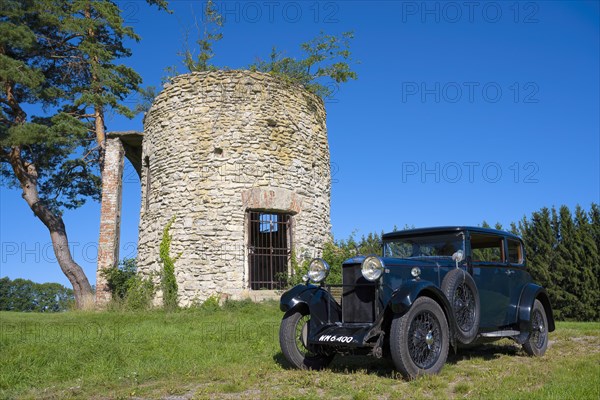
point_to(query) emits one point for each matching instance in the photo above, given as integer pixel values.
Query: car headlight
(372, 268)
(415, 272)
(318, 270)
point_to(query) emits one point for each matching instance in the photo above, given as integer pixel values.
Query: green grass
(234, 353)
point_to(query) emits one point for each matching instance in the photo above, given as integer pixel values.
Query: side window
(486, 248)
(515, 252)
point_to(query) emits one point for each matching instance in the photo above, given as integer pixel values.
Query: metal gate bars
(269, 249)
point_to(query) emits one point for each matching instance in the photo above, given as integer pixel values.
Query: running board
(501, 334)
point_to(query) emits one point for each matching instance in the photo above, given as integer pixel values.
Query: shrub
(168, 281)
(117, 278)
(129, 290)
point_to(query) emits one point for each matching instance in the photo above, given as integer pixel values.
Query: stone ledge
(260, 295)
(272, 198)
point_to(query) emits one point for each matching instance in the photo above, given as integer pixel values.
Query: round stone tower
(240, 161)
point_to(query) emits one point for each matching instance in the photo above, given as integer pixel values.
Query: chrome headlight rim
(318, 270)
(372, 268)
(415, 272)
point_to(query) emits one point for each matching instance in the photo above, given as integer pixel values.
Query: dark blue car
(432, 288)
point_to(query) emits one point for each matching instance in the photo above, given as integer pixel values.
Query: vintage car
(432, 289)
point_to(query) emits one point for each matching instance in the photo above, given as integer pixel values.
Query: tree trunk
(27, 175)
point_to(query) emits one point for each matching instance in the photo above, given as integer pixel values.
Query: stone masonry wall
(217, 144)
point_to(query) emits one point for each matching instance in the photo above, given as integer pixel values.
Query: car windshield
(424, 246)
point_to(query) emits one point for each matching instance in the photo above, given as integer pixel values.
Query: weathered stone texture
(217, 144)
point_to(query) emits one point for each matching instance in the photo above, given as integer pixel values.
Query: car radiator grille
(358, 296)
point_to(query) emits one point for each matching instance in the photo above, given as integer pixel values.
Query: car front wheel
(293, 339)
(419, 339)
(538, 336)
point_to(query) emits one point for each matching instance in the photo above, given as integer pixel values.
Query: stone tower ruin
(240, 161)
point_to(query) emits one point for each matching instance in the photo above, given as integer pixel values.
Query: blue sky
(463, 112)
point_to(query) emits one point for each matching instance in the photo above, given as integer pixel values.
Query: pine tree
(514, 229)
(594, 228)
(594, 215)
(569, 258)
(589, 291)
(540, 241)
(60, 55)
(370, 244)
(562, 255)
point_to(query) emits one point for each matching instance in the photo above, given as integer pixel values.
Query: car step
(501, 334)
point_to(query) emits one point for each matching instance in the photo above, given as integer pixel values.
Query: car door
(518, 276)
(492, 277)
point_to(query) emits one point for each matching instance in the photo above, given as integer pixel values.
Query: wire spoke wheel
(537, 342)
(301, 336)
(464, 307)
(538, 330)
(461, 291)
(419, 339)
(426, 342)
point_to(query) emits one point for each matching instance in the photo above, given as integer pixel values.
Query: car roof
(446, 229)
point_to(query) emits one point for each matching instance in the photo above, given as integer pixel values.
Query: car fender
(403, 298)
(317, 301)
(529, 294)
(299, 294)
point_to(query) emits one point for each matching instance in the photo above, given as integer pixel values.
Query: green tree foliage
(539, 240)
(568, 261)
(326, 59)
(25, 295)
(563, 256)
(58, 78)
(595, 225)
(34, 70)
(168, 281)
(589, 268)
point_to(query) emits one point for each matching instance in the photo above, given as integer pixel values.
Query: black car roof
(445, 229)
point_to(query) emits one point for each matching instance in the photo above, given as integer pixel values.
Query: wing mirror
(458, 256)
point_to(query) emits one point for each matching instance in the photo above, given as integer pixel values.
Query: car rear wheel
(538, 336)
(293, 339)
(461, 291)
(419, 339)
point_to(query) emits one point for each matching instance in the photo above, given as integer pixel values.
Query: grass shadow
(384, 367)
(487, 352)
(349, 364)
(280, 359)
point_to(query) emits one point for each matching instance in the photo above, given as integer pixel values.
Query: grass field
(234, 353)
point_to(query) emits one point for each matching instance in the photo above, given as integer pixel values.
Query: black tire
(293, 335)
(537, 343)
(419, 339)
(461, 291)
